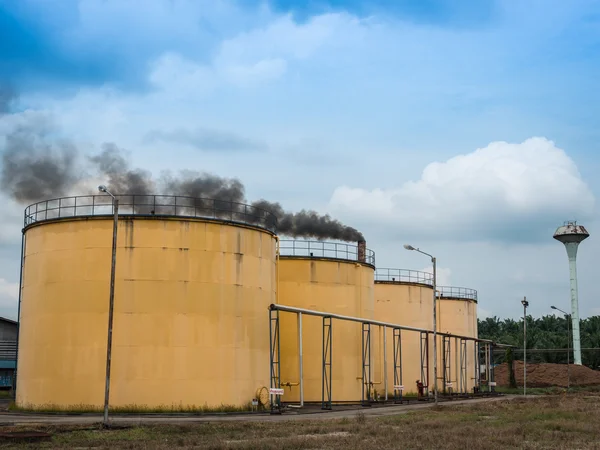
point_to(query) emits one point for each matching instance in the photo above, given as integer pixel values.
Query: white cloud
(260, 55)
(443, 275)
(9, 295)
(502, 188)
(9, 290)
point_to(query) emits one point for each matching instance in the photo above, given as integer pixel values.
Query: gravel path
(15, 419)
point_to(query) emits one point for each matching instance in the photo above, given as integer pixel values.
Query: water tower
(571, 235)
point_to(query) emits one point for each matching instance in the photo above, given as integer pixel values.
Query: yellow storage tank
(457, 315)
(403, 297)
(194, 280)
(329, 277)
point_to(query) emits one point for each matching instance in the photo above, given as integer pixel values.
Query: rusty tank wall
(190, 321)
(330, 284)
(405, 299)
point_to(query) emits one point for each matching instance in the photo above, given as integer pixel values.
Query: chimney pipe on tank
(362, 251)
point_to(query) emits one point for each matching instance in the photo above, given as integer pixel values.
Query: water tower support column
(572, 254)
(571, 235)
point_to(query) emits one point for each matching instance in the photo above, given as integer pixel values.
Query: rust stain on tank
(129, 234)
(239, 261)
(238, 246)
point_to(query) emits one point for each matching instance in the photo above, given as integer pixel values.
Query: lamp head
(553, 307)
(102, 188)
(408, 247)
(525, 303)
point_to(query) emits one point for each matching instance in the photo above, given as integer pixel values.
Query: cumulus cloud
(515, 191)
(251, 58)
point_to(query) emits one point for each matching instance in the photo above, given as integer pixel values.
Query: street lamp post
(525, 304)
(111, 301)
(568, 319)
(435, 377)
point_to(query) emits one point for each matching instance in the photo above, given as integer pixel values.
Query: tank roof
(570, 232)
(326, 250)
(403, 276)
(453, 292)
(173, 206)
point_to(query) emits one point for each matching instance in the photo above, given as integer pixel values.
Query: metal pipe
(525, 305)
(300, 359)
(385, 375)
(19, 314)
(568, 319)
(433, 261)
(311, 312)
(111, 306)
(435, 380)
(568, 352)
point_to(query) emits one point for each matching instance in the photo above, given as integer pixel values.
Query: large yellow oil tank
(193, 286)
(457, 315)
(403, 297)
(329, 277)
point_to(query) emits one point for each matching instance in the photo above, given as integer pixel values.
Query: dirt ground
(549, 421)
(548, 375)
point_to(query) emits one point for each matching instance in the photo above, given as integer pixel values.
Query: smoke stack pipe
(362, 251)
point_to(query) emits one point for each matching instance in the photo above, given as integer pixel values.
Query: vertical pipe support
(398, 387)
(326, 374)
(477, 374)
(300, 359)
(385, 373)
(19, 314)
(425, 361)
(366, 364)
(274, 358)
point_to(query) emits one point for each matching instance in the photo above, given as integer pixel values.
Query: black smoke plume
(309, 224)
(35, 168)
(112, 164)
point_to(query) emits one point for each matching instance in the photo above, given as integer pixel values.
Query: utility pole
(525, 304)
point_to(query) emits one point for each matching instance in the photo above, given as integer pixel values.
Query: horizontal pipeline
(310, 312)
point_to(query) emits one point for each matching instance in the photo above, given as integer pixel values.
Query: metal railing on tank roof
(457, 292)
(403, 276)
(151, 205)
(323, 249)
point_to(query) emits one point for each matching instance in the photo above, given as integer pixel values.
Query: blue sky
(372, 111)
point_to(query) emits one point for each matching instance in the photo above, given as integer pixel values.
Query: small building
(8, 352)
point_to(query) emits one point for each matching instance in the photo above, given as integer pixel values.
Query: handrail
(403, 276)
(457, 292)
(151, 205)
(324, 249)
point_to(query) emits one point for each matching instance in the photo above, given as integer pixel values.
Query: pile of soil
(547, 375)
